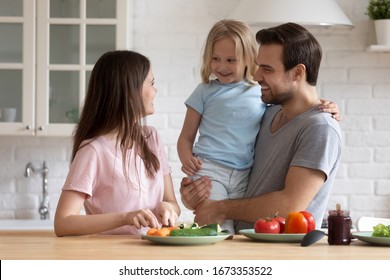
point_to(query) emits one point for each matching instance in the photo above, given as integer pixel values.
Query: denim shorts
(227, 182)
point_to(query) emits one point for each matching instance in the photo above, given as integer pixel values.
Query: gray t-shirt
(311, 140)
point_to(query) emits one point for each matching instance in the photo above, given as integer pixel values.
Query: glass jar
(339, 227)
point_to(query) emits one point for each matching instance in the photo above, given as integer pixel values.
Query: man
(298, 148)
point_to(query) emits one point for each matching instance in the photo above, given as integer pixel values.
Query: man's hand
(194, 192)
(207, 213)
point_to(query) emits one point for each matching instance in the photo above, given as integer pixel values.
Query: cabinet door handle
(41, 128)
(28, 127)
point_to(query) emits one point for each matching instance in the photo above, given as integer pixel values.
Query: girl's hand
(142, 218)
(330, 107)
(166, 213)
(191, 166)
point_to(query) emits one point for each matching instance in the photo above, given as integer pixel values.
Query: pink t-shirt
(97, 171)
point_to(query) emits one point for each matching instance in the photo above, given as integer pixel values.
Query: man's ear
(299, 71)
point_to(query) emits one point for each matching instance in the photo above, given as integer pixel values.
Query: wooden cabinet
(49, 49)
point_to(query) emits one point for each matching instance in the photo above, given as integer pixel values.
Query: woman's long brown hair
(113, 104)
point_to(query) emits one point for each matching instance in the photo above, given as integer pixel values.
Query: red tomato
(296, 223)
(282, 223)
(311, 223)
(267, 226)
(299, 222)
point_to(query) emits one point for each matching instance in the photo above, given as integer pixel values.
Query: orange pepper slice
(163, 232)
(152, 231)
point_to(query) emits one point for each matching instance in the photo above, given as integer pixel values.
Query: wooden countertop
(44, 245)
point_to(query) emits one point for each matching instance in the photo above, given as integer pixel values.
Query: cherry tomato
(282, 223)
(299, 222)
(267, 225)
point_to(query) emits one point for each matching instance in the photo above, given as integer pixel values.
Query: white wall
(171, 33)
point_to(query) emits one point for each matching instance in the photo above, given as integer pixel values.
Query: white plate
(368, 223)
(186, 240)
(366, 236)
(270, 237)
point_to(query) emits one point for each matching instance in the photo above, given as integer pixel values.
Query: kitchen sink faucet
(44, 205)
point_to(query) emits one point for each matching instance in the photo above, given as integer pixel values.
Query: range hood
(309, 13)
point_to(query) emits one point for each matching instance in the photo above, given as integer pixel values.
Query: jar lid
(343, 213)
(338, 211)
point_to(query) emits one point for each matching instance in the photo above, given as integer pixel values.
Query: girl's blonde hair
(246, 47)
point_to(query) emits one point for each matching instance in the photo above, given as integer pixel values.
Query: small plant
(378, 9)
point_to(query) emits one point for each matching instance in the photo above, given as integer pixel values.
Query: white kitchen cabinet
(47, 52)
(378, 48)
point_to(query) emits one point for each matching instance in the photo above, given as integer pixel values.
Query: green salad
(381, 230)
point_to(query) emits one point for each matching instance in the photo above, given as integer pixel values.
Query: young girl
(119, 169)
(226, 108)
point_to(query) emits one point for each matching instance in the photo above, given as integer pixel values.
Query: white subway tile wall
(171, 33)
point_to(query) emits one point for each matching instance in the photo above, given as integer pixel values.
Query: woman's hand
(330, 107)
(142, 218)
(194, 192)
(166, 213)
(68, 220)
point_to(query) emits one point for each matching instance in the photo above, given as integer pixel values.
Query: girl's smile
(224, 63)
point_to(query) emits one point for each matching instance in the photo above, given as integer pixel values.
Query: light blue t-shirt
(231, 115)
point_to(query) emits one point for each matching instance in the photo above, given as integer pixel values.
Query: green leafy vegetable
(381, 230)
